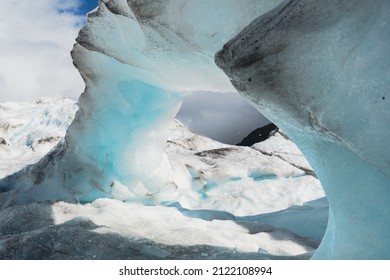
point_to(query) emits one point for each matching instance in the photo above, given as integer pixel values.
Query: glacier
(319, 70)
(216, 208)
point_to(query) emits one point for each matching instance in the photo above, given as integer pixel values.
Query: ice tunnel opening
(226, 117)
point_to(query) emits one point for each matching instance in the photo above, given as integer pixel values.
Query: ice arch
(321, 71)
(300, 64)
(138, 58)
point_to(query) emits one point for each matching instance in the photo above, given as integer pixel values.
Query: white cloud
(35, 44)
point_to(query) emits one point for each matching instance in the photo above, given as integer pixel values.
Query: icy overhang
(321, 71)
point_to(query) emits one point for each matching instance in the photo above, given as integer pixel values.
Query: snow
(235, 179)
(170, 227)
(29, 138)
(222, 201)
(284, 150)
(320, 71)
(33, 232)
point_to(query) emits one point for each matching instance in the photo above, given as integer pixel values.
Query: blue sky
(87, 5)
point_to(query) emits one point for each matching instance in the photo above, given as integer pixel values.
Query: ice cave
(317, 69)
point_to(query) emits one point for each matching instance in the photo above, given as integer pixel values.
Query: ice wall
(320, 70)
(138, 58)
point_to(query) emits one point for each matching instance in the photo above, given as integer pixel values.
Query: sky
(36, 38)
(226, 117)
(88, 5)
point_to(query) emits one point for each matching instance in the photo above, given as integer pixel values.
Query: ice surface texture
(320, 70)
